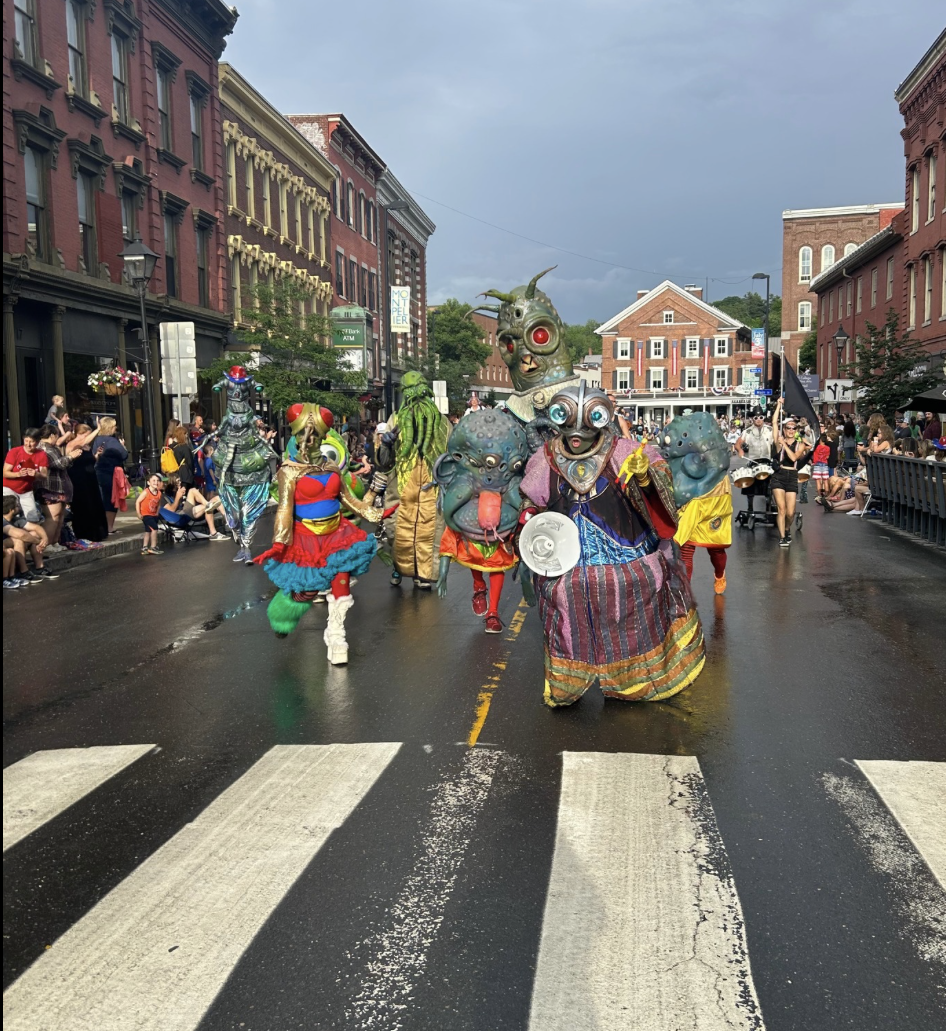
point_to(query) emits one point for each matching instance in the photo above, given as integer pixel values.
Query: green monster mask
(531, 338)
(423, 430)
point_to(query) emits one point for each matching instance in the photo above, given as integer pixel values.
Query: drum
(743, 477)
(804, 474)
(763, 470)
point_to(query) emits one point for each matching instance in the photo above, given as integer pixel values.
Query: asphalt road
(418, 894)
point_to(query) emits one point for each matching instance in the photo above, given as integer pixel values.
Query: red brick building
(813, 239)
(493, 376)
(670, 350)
(111, 128)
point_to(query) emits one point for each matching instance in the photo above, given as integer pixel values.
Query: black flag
(796, 400)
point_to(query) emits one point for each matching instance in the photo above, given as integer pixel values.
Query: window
(236, 291)
(203, 267)
(656, 377)
(25, 30)
(911, 322)
(624, 349)
(942, 284)
(373, 291)
(250, 188)
(721, 347)
(827, 256)
(804, 315)
(668, 318)
(298, 219)
(363, 286)
(335, 198)
(253, 270)
(170, 255)
(36, 226)
(931, 187)
(657, 348)
(353, 280)
(361, 215)
(85, 191)
(129, 215)
(850, 296)
(889, 278)
(915, 199)
(350, 205)
(927, 289)
(163, 82)
(721, 377)
(849, 248)
(873, 287)
(860, 294)
(75, 40)
(120, 77)
(691, 347)
(830, 307)
(231, 175)
(267, 202)
(340, 273)
(197, 132)
(283, 210)
(310, 212)
(369, 220)
(691, 379)
(623, 380)
(804, 265)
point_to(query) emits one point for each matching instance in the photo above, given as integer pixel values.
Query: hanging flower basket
(116, 381)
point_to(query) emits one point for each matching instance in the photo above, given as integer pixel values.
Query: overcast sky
(664, 136)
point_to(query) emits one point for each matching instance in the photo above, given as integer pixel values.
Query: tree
(885, 371)
(808, 352)
(750, 310)
(581, 339)
(456, 350)
(291, 356)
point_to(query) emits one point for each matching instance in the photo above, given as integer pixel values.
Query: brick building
(670, 350)
(278, 201)
(902, 265)
(111, 128)
(493, 376)
(813, 239)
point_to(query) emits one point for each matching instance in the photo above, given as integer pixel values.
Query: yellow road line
(485, 695)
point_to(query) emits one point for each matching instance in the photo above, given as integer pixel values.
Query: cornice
(935, 55)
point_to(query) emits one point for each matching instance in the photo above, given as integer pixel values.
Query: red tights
(717, 557)
(496, 581)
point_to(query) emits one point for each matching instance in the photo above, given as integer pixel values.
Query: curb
(64, 560)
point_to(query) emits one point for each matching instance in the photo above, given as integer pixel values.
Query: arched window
(351, 204)
(848, 248)
(804, 265)
(361, 213)
(369, 220)
(827, 256)
(804, 315)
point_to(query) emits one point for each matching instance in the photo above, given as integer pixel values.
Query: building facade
(278, 202)
(813, 239)
(670, 350)
(112, 129)
(493, 375)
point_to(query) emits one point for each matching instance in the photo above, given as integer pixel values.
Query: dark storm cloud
(666, 135)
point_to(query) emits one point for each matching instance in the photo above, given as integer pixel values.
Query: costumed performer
(624, 614)
(315, 548)
(698, 455)
(417, 436)
(479, 480)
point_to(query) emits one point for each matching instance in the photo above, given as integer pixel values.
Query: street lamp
(765, 332)
(395, 205)
(840, 342)
(140, 261)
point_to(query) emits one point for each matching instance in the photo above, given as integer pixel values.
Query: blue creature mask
(697, 453)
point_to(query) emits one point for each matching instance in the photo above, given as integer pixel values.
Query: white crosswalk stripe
(154, 953)
(45, 784)
(643, 927)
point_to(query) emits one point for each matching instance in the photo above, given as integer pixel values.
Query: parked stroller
(753, 479)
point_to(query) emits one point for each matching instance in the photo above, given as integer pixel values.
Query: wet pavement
(827, 653)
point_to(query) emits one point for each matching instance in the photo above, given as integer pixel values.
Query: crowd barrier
(911, 494)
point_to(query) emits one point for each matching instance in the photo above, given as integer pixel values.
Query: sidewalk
(124, 542)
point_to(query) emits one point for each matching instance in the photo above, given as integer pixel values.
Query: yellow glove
(637, 464)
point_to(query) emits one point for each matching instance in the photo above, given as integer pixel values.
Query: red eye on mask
(510, 347)
(540, 336)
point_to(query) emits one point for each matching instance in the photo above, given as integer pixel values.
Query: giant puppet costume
(315, 548)
(624, 613)
(417, 436)
(479, 480)
(698, 455)
(244, 461)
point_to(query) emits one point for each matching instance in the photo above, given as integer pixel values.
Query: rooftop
(854, 209)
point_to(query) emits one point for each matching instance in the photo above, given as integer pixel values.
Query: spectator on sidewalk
(210, 471)
(190, 502)
(88, 512)
(56, 412)
(25, 468)
(849, 444)
(148, 506)
(10, 579)
(934, 428)
(56, 492)
(110, 454)
(184, 456)
(28, 538)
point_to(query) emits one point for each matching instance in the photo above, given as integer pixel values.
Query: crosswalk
(642, 925)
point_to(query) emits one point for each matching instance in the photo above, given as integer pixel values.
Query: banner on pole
(758, 343)
(400, 309)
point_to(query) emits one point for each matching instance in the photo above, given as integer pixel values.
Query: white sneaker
(854, 512)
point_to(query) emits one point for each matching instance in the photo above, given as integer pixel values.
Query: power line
(578, 254)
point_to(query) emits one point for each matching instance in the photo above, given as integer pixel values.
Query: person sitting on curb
(26, 537)
(190, 502)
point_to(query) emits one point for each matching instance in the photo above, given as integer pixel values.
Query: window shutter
(729, 347)
(630, 379)
(699, 379)
(649, 349)
(683, 377)
(614, 378)
(615, 347)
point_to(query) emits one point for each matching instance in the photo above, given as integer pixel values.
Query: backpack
(169, 464)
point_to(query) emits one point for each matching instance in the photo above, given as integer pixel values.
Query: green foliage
(884, 369)
(292, 361)
(581, 339)
(456, 350)
(750, 310)
(808, 352)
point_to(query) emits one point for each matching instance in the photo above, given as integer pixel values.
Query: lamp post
(395, 205)
(840, 342)
(765, 332)
(140, 261)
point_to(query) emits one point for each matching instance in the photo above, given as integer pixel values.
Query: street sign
(756, 369)
(763, 393)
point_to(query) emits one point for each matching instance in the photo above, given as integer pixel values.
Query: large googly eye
(558, 413)
(330, 452)
(490, 461)
(517, 467)
(598, 417)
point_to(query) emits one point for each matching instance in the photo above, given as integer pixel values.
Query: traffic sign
(763, 393)
(758, 368)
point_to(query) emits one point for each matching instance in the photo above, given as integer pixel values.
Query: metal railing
(911, 494)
